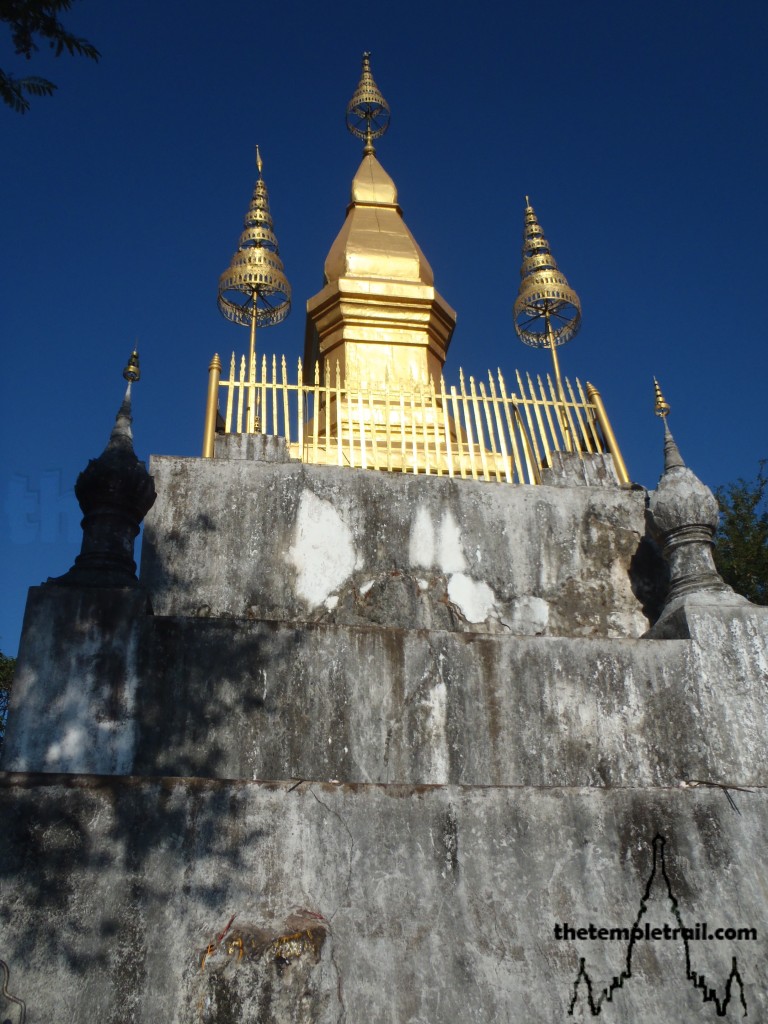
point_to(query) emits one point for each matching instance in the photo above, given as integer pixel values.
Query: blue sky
(638, 129)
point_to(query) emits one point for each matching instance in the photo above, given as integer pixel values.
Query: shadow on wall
(649, 578)
(205, 689)
(104, 837)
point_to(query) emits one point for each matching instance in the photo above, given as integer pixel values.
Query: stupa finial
(672, 457)
(367, 111)
(115, 492)
(661, 405)
(132, 372)
(547, 310)
(253, 290)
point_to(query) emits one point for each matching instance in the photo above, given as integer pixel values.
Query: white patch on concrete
(365, 587)
(528, 616)
(86, 740)
(423, 584)
(67, 751)
(442, 548)
(450, 552)
(436, 705)
(331, 602)
(323, 553)
(474, 598)
(439, 548)
(421, 545)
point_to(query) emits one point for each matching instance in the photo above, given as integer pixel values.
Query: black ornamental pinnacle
(115, 492)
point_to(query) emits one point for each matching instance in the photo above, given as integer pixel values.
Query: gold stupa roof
(378, 316)
(374, 241)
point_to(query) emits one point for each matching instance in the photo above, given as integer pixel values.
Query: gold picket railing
(476, 431)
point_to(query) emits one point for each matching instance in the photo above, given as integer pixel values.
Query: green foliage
(30, 20)
(741, 542)
(7, 667)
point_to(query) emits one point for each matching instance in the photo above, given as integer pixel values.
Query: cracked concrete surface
(444, 908)
(454, 788)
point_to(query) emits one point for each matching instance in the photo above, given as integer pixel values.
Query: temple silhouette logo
(584, 985)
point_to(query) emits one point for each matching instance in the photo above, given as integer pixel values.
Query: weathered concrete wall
(376, 904)
(74, 700)
(102, 687)
(314, 624)
(268, 541)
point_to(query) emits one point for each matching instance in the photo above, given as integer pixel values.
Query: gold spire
(367, 111)
(132, 372)
(661, 406)
(253, 290)
(547, 310)
(379, 316)
(672, 457)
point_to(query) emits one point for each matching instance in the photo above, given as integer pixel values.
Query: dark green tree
(741, 541)
(7, 666)
(30, 21)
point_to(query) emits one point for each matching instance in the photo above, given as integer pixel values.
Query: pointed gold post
(610, 438)
(251, 412)
(253, 399)
(211, 406)
(559, 386)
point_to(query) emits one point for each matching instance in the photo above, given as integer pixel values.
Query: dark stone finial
(115, 492)
(683, 516)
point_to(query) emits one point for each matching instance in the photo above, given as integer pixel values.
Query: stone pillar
(74, 699)
(683, 516)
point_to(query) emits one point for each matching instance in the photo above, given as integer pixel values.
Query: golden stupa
(379, 315)
(370, 390)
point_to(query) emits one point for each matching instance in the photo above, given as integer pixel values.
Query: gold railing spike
(211, 407)
(605, 426)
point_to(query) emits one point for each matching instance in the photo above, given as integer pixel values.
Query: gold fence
(476, 431)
